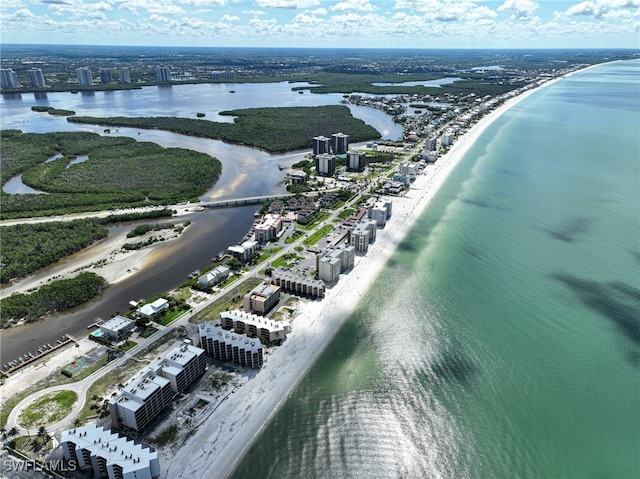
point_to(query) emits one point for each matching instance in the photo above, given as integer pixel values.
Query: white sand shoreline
(218, 445)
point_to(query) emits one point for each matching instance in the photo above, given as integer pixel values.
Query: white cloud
(254, 12)
(12, 5)
(448, 10)
(229, 18)
(303, 18)
(520, 8)
(287, 3)
(204, 3)
(602, 8)
(319, 11)
(21, 14)
(161, 7)
(353, 5)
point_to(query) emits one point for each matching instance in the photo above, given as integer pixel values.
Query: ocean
(502, 340)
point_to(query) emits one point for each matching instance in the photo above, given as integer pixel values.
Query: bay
(503, 338)
(245, 172)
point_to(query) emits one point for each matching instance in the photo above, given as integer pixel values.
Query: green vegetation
(318, 235)
(298, 188)
(28, 247)
(165, 437)
(231, 300)
(119, 173)
(294, 237)
(288, 260)
(52, 298)
(52, 111)
(128, 346)
(346, 213)
(317, 220)
(48, 408)
(272, 129)
(304, 165)
(141, 230)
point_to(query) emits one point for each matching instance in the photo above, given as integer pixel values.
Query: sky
(325, 23)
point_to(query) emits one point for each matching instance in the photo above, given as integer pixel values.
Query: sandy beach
(216, 446)
(105, 258)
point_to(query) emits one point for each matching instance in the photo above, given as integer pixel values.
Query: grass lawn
(319, 219)
(231, 300)
(346, 213)
(48, 409)
(149, 331)
(129, 345)
(318, 235)
(171, 316)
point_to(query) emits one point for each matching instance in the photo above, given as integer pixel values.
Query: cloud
(521, 8)
(21, 14)
(254, 12)
(601, 8)
(229, 18)
(447, 10)
(78, 9)
(12, 5)
(287, 3)
(353, 5)
(204, 3)
(160, 7)
(319, 11)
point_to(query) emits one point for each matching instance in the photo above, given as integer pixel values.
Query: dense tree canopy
(29, 247)
(52, 298)
(271, 129)
(117, 172)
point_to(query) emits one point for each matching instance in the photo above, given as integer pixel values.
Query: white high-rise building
(163, 74)
(36, 77)
(8, 78)
(123, 75)
(85, 78)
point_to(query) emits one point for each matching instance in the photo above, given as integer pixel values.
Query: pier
(26, 359)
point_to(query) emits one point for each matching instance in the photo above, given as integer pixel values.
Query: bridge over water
(248, 200)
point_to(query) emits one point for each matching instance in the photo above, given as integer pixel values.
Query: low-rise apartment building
(108, 454)
(231, 346)
(268, 229)
(262, 298)
(298, 283)
(254, 326)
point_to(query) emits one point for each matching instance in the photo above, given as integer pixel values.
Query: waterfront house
(152, 309)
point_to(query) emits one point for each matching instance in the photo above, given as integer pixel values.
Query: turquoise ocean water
(503, 338)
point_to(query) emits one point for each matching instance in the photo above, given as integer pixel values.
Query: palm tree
(13, 432)
(3, 433)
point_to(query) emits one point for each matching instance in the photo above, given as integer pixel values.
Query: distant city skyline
(321, 23)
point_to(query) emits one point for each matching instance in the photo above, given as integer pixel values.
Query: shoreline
(217, 446)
